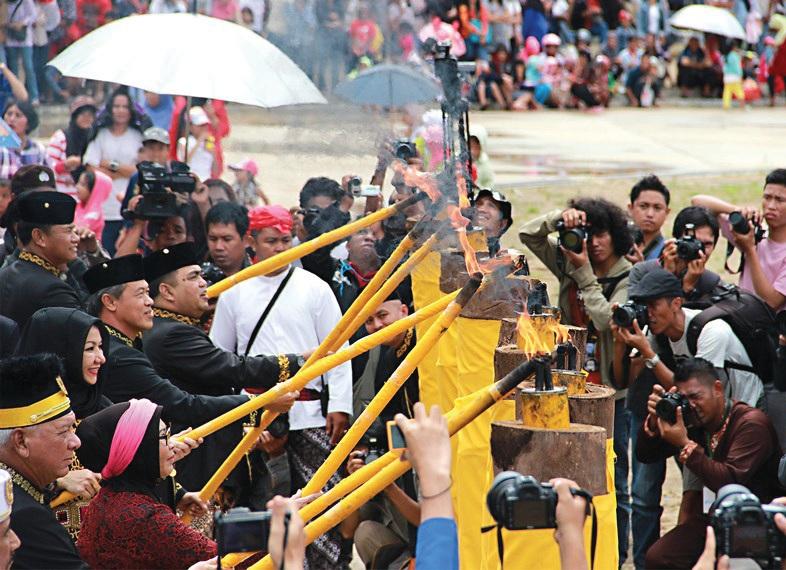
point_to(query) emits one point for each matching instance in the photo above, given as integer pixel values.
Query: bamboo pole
(303, 377)
(457, 418)
(392, 385)
(285, 258)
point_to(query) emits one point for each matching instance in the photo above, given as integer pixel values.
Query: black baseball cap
(656, 283)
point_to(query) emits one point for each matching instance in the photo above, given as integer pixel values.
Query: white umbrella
(709, 19)
(188, 54)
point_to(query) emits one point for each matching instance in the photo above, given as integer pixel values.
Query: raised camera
(405, 149)
(667, 407)
(241, 530)
(157, 186)
(688, 246)
(744, 528)
(741, 225)
(624, 315)
(572, 239)
(636, 235)
(520, 502)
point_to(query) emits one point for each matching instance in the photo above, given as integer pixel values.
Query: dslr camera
(667, 407)
(741, 225)
(688, 246)
(572, 239)
(241, 530)
(624, 315)
(375, 450)
(520, 502)
(158, 187)
(405, 149)
(636, 235)
(744, 528)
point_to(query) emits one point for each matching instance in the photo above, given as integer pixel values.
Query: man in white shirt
(303, 314)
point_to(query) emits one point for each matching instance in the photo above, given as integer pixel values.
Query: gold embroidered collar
(164, 314)
(118, 335)
(401, 350)
(40, 262)
(24, 484)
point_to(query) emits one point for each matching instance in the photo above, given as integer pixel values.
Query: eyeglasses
(164, 436)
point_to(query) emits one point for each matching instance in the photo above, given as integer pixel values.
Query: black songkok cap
(169, 259)
(50, 208)
(116, 271)
(31, 391)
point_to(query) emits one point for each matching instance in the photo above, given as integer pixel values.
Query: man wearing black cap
(493, 213)
(119, 296)
(37, 444)
(47, 235)
(179, 350)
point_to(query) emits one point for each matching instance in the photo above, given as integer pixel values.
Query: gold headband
(39, 412)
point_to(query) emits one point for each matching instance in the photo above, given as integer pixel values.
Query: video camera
(741, 225)
(405, 149)
(667, 407)
(572, 239)
(688, 246)
(744, 528)
(158, 187)
(520, 502)
(624, 315)
(241, 530)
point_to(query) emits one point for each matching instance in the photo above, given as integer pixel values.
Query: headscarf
(121, 442)
(63, 332)
(276, 217)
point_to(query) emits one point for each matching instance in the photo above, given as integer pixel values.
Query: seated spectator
(763, 272)
(730, 442)
(642, 85)
(551, 90)
(694, 69)
(582, 81)
(629, 59)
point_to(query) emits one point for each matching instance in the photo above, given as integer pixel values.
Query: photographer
(648, 208)
(665, 342)
(698, 283)
(718, 440)
(591, 280)
(321, 213)
(763, 272)
(226, 226)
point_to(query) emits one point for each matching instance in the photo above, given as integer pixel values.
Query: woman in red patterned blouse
(126, 525)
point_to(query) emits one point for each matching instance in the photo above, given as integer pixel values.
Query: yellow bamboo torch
(457, 418)
(391, 386)
(303, 377)
(285, 258)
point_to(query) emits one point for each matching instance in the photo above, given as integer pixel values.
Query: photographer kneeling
(718, 440)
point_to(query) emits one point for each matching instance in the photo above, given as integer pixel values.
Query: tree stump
(595, 407)
(577, 452)
(506, 358)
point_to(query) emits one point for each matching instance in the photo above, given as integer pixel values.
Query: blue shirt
(437, 545)
(656, 247)
(162, 114)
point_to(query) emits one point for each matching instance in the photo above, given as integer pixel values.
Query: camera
(624, 315)
(375, 450)
(520, 502)
(572, 239)
(158, 187)
(405, 149)
(688, 246)
(667, 407)
(741, 225)
(241, 530)
(744, 528)
(353, 185)
(211, 272)
(636, 235)
(318, 221)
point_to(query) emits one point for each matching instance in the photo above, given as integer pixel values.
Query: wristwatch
(651, 363)
(114, 166)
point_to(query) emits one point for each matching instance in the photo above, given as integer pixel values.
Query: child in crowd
(246, 189)
(92, 189)
(732, 77)
(201, 145)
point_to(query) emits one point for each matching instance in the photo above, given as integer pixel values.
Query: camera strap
(593, 537)
(266, 312)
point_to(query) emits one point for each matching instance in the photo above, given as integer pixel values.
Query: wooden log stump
(577, 452)
(595, 407)
(578, 336)
(506, 358)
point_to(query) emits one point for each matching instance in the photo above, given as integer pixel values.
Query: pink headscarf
(129, 433)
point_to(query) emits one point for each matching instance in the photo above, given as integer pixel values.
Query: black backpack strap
(608, 284)
(266, 312)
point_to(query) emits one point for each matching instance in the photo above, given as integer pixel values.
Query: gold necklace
(164, 314)
(405, 345)
(118, 335)
(40, 262)
(24, 484)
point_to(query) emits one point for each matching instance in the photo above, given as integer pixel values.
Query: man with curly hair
(591, 280)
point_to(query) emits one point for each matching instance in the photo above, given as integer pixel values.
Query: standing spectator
(10, 86)
(199, 148)
(219, 127)
(23, 119)
(625, 31)
(260, 12)
(474, 28)
(90, 14)
(732, 77)
(534, 22)
(113, 150)
(19, 42)
(247, 191)
(505, 20)
(365, 37)
(158, 108)
(47, 19)
(331, 44)
(478, 145)
(300, 25)
(167, 7)
(67, 146)
(225, 10)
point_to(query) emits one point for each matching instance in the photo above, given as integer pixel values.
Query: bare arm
(17, 87)
(404, 504)
(713, 204)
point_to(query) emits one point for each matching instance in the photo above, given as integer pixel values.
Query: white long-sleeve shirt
(304, 314)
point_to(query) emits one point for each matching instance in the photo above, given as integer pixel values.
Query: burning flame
(459, 223)
(461, 184)
(422, 180)
(539, 334)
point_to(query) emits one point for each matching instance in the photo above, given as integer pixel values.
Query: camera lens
(623, 316)
(738, 223)
(495, 498)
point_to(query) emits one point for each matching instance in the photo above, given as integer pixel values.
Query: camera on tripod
(159, 188)
(744, 528)
(520, 502)
(572, 239)
(667, 406)
(688, 246)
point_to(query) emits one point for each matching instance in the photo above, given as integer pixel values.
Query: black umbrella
(389, 85)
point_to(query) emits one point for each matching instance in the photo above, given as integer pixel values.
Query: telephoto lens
(738, 223)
